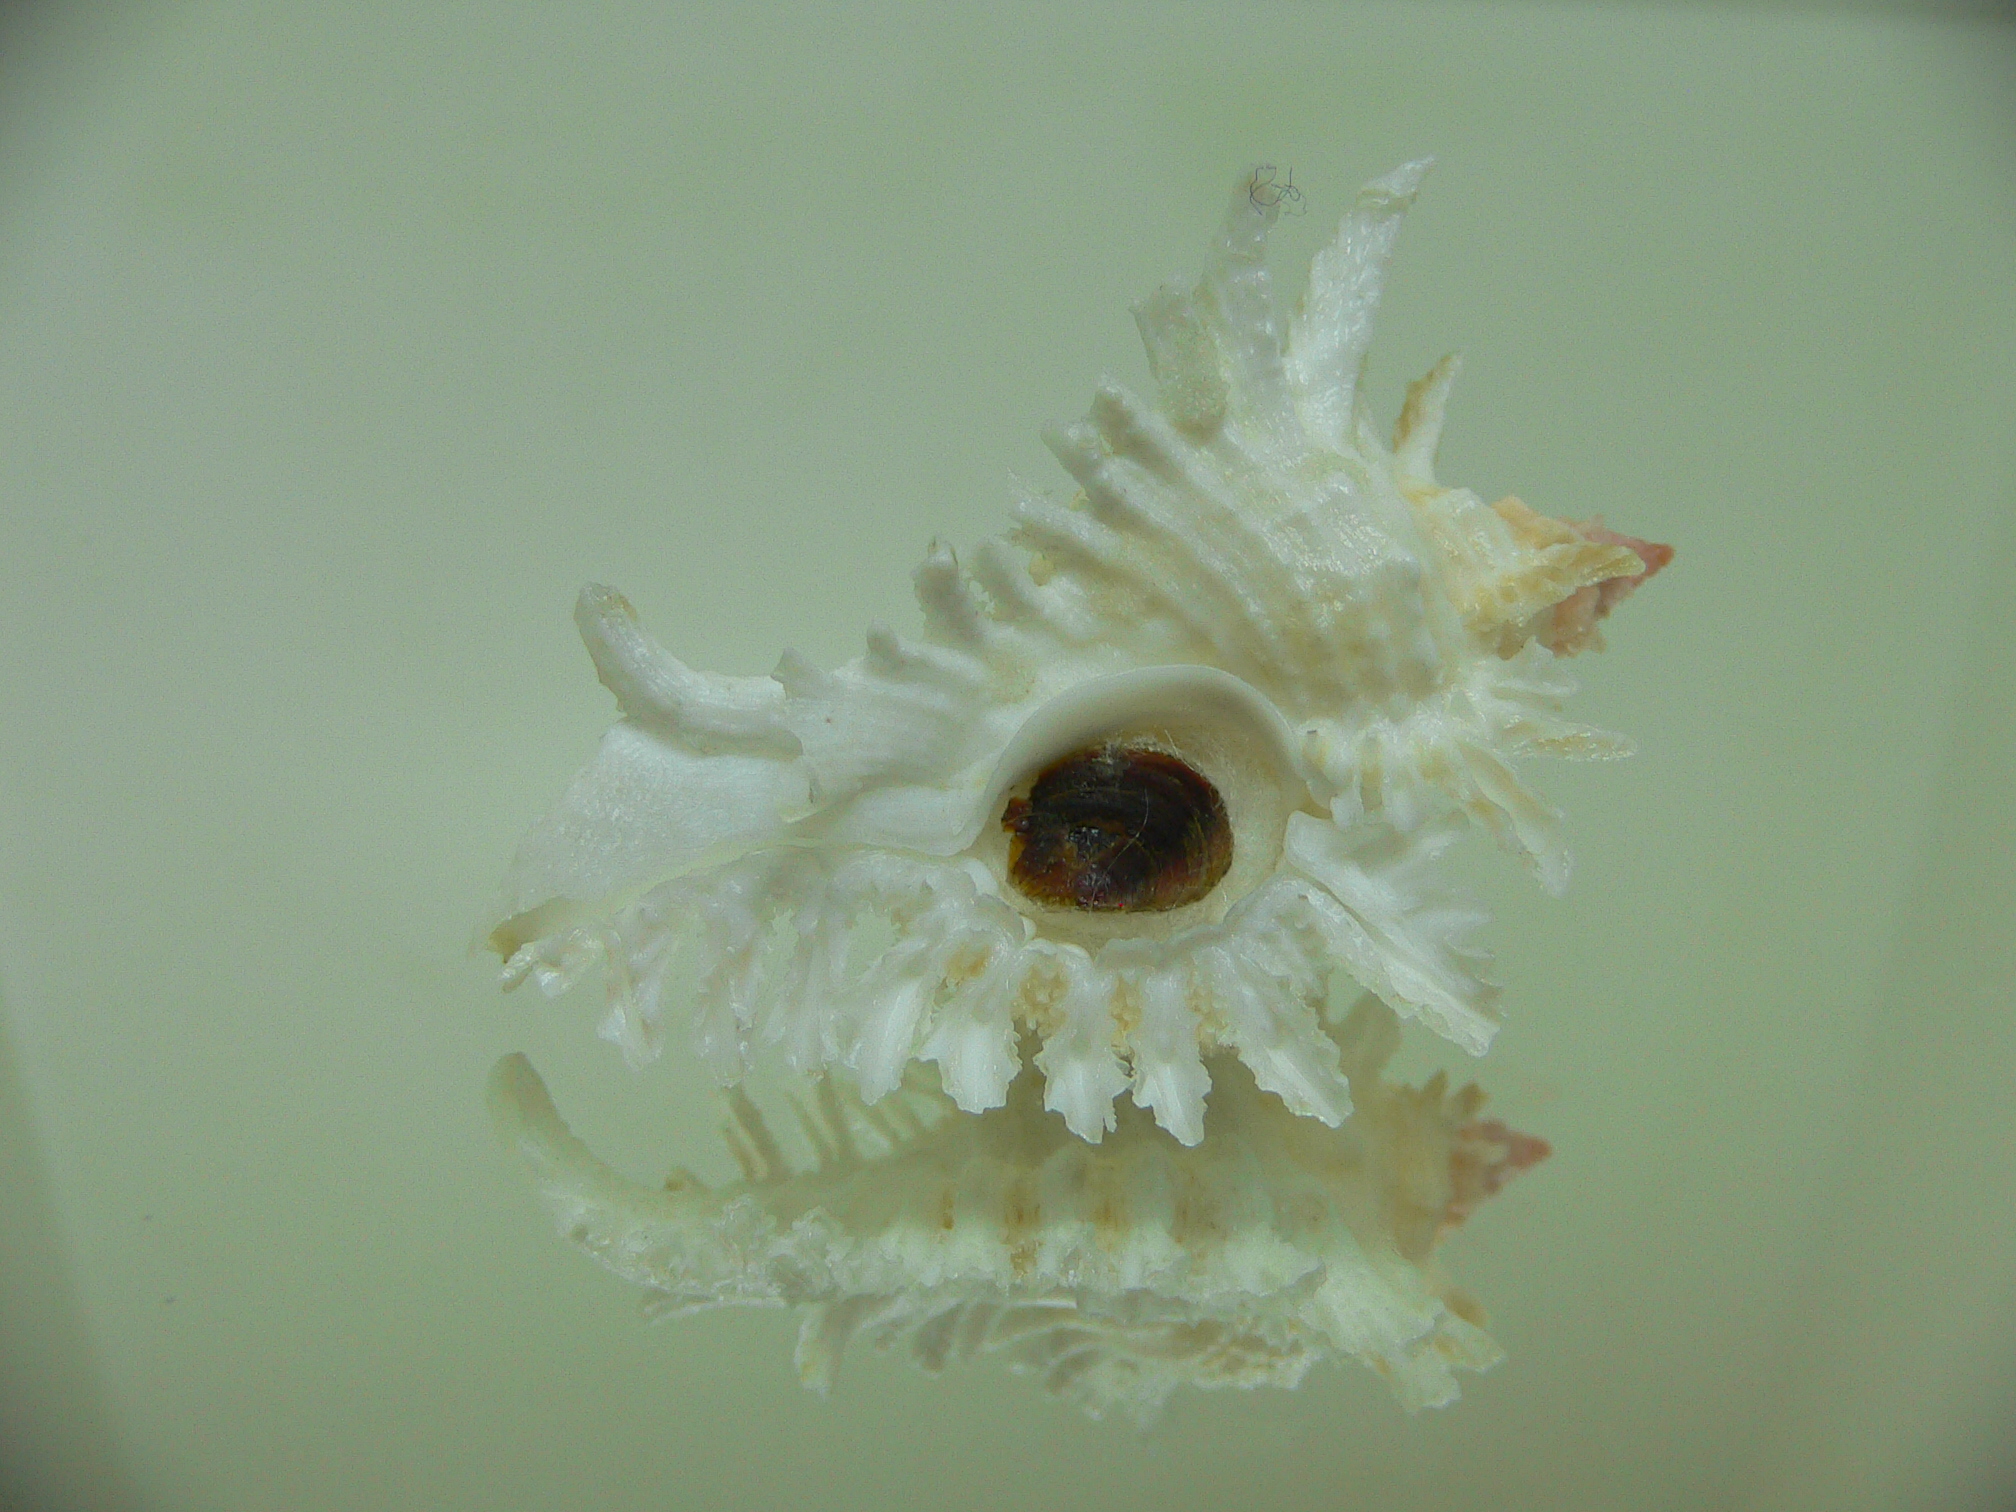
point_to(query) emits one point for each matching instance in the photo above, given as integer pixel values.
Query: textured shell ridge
(1247, 575)
(1116, 1273)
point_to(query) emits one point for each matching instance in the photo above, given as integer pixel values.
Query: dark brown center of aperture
(1117, 828)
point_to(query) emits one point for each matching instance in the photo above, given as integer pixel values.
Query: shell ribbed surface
(1116, 1273)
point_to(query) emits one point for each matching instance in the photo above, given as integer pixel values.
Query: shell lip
(1211, 719)
(1105, 707)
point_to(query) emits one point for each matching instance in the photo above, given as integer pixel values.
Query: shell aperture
(1119, 827)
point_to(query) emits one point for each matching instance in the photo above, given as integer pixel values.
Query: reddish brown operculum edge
(1571, 626)
(1484, 1155)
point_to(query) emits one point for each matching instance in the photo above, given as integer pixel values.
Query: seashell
(1161, 758)
(1115, 1273)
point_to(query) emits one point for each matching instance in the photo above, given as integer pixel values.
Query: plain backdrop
(340, 344)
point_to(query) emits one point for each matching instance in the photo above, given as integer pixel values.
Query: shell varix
(1161, 758)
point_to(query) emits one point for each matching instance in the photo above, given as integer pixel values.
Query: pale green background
(340, 343)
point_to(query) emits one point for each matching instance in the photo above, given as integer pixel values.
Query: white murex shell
(1250, 579)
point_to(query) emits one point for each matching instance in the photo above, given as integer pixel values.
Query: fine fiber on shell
(1251, 583)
